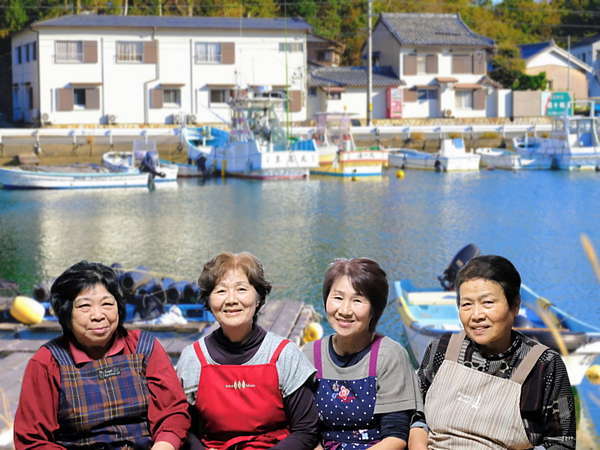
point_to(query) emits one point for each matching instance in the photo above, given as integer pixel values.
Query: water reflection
(412, 226)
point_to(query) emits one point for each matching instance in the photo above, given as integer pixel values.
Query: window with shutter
(410, 65)
(130, 52)
(64, 99)
(207, 53)
(68, 51)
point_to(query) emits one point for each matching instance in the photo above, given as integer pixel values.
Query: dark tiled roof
(528, 50)
(587, 41)
(93, 20)
(432, 29)
(352, 76)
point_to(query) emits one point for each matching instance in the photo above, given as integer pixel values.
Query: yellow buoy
(312, 332)
(593, 374)
(400, 174)
(27, 310)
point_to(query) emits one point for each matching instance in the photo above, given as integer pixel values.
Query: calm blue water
(412, 227)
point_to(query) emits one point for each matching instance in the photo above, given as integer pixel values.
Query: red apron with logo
(241, 406)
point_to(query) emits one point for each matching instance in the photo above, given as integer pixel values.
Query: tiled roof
(432, 29)
(352, 76)
(93, 20)
(529, 50)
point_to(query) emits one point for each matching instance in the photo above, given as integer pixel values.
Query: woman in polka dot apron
(366, 388)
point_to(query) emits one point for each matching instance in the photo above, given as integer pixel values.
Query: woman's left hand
(162, 445)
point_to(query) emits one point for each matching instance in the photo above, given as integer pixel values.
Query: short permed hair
(367, 278)
(215, 269)
(78, 278)
(493, 268)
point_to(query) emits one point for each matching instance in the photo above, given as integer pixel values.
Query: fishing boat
(499, 158)
(199, 142)
(573, 143)
(451, 157)
(338, 153)
(119, 170)
(428, 313)
(258, 147)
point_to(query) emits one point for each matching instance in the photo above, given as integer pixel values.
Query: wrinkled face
(233, 302)
(486, 315)
(94, 319)
(348, 312)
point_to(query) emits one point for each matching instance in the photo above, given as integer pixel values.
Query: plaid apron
(103, 403)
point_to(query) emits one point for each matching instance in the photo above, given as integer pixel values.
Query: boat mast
(369, 63)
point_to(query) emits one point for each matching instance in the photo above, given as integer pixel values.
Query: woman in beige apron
(490, 386)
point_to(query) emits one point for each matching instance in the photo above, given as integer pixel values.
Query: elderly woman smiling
(490, 386)
(247, 387)
(98, 385)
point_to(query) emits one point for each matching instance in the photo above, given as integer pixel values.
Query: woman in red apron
(366, 388)
(99, 385)
(247, 387)
(490, 386)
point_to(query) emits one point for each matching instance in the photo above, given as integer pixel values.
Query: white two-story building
(101, 69)
(442, 64)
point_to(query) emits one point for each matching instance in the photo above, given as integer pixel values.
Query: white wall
(125, 87)
(388, 48)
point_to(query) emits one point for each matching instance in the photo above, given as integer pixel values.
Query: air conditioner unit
(190, 118)
(112, 119)
(176, 119)
(45, 119)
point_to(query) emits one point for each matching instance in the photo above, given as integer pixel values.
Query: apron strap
(454, 346)
(373, 355)
(200, 354)
(531, 358)
(317, 359)
(278, 351)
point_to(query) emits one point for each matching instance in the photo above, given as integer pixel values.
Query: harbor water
(411, 226)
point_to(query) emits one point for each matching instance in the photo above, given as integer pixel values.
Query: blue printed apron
(346, 407)
(103, 403)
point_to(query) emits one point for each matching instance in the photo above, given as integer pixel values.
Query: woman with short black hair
(98, 385)
(490, 386)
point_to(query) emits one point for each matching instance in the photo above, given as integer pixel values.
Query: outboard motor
(150, 164)
(460, 259)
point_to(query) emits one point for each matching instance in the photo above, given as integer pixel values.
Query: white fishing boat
(500, 158)
(338, 153)
(573, 143)
(258, 147)
(200, 142)
(451, 157)
(119, 170)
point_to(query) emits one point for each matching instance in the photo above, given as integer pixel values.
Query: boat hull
(248, 160)
(354, 163)
(25, 179)
(412, 159)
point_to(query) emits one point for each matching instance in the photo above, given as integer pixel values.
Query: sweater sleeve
(168, 415)
(36, 420)
(303, 419)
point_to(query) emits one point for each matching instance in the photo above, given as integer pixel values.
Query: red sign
(394, 102)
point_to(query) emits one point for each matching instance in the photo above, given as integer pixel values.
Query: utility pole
(369, 64)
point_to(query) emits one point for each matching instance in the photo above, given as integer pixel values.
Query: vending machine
(394, 102)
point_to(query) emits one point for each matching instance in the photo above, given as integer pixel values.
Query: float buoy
(27, 310)
(312, 332)
(593, 374)
(400, 174)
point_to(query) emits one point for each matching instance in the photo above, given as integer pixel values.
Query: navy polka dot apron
(346, 407)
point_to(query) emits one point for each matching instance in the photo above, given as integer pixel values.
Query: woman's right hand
(319, 447)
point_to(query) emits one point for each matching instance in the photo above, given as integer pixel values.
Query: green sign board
(558, 104)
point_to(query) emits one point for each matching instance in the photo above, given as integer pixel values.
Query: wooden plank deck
(287, 318)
